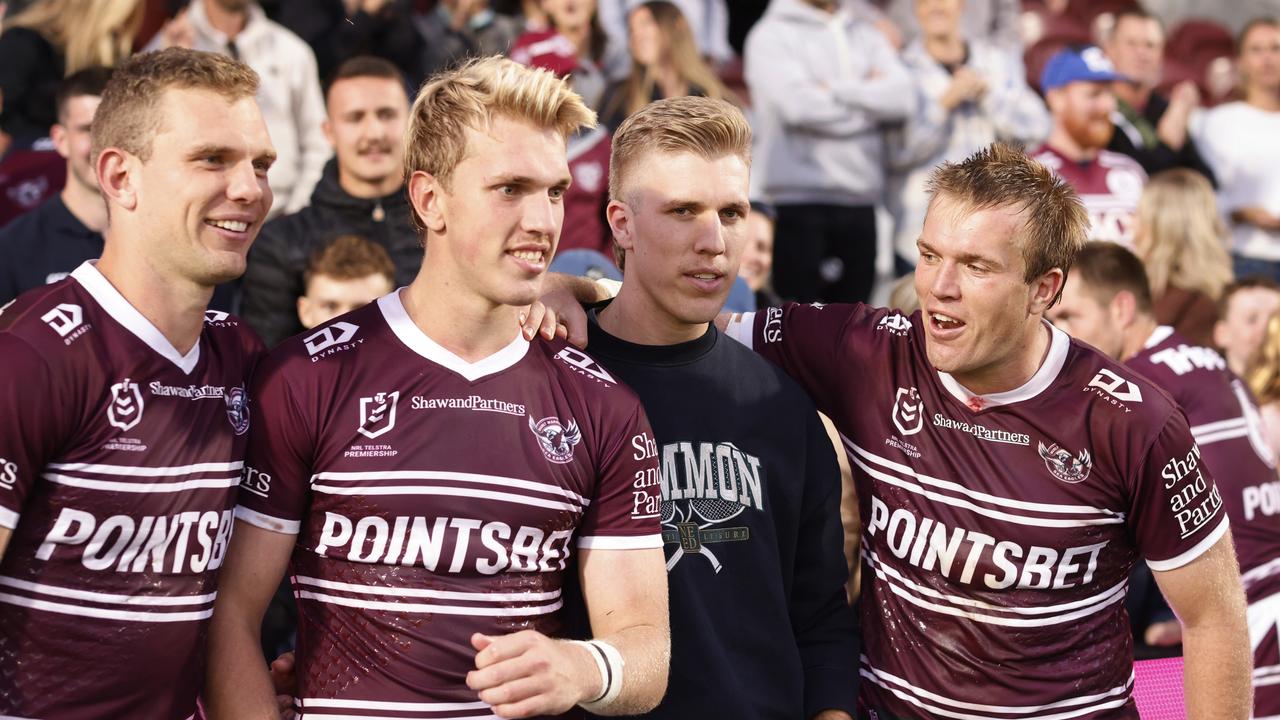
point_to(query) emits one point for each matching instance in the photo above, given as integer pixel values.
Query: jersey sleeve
(1176, 509)
(274, 492)
(37, 422)
(625, 513)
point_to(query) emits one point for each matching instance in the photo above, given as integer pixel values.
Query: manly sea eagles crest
(555, 439)
(238, 409)
(1066, 468)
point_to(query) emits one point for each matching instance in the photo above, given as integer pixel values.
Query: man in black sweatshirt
(361, 193)
(760, 624)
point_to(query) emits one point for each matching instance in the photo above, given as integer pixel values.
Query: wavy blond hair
(470, 97)
(1180, 236)
(87, 32)
(1263, 372)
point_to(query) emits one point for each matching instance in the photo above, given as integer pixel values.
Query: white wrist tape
(610, 664)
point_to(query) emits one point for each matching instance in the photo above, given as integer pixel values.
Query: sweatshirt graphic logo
(125, 410)
(378, 414)
(908, 411)
(705, 485)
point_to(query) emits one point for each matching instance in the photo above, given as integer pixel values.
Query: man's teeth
(232, 225)
(705, 276)
(528, 255)
(945, 319)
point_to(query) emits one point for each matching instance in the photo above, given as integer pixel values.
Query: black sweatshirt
(760, 626)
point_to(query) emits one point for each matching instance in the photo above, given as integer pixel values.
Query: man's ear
(1124, 308)
(429, 200)
(117, 177)
(621, 224)
(326, 127)
(1045, 289)
(58, 134)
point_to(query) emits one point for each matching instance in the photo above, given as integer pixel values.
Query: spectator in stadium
(601, 60)
(290, 96)
(486, 159)
(344, 275)
(708, 22)
(1181, 239)
(1241, 141)
(664, 64)
(824, 85)
(40, 46)
(957, 398)
(1107, 303)
(1263, 374)
(991, 22)
(361, 193)
(1077, 85)
(119, 372)
(757, 256)
(1150, 128)
(1243, 311)
(970, 94)
(47, 243)
(458, 29)
(902, 296)
(340, 29)
(708, 397)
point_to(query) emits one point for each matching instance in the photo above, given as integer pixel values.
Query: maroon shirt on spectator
(434, 498)
(1228, 429)
(119, 461)
(584, 203)
(998, 530)
(1109, 185)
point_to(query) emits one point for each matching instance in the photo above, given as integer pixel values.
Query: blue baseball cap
(1087, 64)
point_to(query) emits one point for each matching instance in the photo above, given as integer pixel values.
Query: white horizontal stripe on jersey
(424, 593)
(268, 522)
(1213, 427)
(1266, 671)
(103, 613)
(1200, 548)
(618, 542)
(100, 597)
(8, 518)
(1271, 680)
(447, 491)
(965, 504)
(132, 487)
(1242, 431)
(881, 572)
(364, 604)
(386, 705)
(1106, 596)
(1260, 572)
(136, 471)
(506, 482)
(976, 494)
(1113, 698)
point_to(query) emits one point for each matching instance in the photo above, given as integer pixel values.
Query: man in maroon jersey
(1077, 87)
(1010, 478)
(127, 409)
(425, 471)
(1107, 303)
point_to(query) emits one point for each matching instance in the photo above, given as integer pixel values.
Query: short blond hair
(129, 115)
(1055, 225)
(471, 96)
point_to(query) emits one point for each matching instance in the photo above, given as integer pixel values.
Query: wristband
(610, 664)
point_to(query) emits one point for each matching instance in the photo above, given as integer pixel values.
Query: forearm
(238, 685)
(646, 650)
(1216, 673)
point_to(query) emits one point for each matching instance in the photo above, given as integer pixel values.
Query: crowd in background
(1167, 125)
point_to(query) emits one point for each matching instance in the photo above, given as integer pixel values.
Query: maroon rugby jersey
(1110, 187)
(119, 461)
(434, 498)
(1228, 429)
(997, 543)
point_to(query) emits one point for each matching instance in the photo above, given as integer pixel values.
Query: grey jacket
(824, 87)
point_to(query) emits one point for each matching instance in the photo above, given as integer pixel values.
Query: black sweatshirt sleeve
(825, 627)
(272, 285)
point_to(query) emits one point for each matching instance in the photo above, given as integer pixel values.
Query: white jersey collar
(411, 335)
(1059, 342)
(115, 305)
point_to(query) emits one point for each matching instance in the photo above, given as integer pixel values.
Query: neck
(1263, 98)
(1136, 336)
(1135, 95)
(632, 317)
(227, 22)
(947, 49)
(470, 327)
(368, 189)
(1061, 141)
(86, 205)
(175, 306)
(669, 81)
(579, 35)
(1021, 365)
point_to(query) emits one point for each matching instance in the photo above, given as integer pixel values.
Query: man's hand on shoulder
(833, 715)
(527, 673)
(559, 311)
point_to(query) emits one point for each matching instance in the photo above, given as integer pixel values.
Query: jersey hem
(632, 542)
(1199, 549)
(8, 518)
(268, 522)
